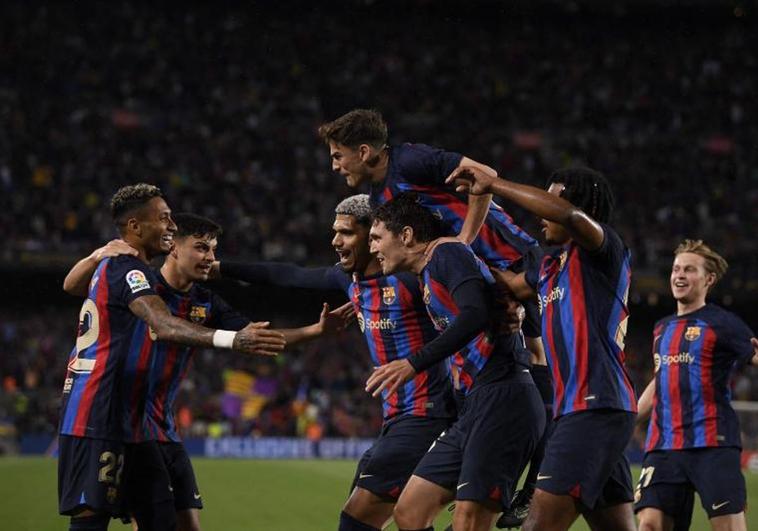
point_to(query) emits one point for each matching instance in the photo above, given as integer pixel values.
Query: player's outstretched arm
(478, 205)
(278, 274)
(584, 230)
(77, 280)
(255, 338)
(330, 322)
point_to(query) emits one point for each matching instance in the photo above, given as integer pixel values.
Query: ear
(364, 152)
(407, 236)
(710, 280)
(133, 225)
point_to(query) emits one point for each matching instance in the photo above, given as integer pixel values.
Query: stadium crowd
(220, 107)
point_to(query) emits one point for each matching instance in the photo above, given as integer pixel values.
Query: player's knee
(408, 516)
(188, 520)
(348, 523)
(95, 522)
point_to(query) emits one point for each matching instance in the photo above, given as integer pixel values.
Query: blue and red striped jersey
(392, 316)
(583, 302)
(488, 355)
(170, 361)
(694, 355)
(423, 169)
(95, 389)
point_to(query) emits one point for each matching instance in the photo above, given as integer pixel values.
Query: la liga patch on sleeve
(137, 281)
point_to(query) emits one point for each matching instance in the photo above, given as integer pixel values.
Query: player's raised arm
(478, 205)
(548, 205)
(253, 339)
(78, 278)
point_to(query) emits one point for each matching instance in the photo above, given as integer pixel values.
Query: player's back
(93, 392)
(423, 169)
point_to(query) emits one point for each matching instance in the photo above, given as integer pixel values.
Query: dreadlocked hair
(587, 189)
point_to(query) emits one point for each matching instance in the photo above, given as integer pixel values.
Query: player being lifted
(166, 476)
(693, 441)
(121, 308)
(393, 319)
(359, 152)
(582, 288)
(478, 461)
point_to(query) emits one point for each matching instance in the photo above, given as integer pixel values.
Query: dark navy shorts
(480, 458)
(89, 475)
(585, 458)
(182, 476)
(385, 468)
(146, 479)
(669, 477)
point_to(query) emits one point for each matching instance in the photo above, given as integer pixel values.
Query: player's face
(689, 278)
(388, 248)
(351, 243)
(555, 233)
(156, 227)
(349, 163)
(194, 256)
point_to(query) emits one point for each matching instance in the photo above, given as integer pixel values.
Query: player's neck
(379, 172)
(683, 308)
(175, 279)
(417, 258)
(373, 268)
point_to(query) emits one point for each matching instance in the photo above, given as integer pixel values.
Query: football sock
(348, 523)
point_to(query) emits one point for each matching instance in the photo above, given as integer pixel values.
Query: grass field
(239, 495)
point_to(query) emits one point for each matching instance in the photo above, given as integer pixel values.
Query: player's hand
(255, 338)
(389, 377)
(754, 342)
(471, 179)
(113, 248)
(334, 321)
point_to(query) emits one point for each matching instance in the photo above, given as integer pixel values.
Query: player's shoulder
(718, 316)
(446, 249)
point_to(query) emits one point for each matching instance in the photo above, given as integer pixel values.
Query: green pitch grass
(239, 495)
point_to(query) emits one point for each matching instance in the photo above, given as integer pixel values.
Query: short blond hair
(714, 262)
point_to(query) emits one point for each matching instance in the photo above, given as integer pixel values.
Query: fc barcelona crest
(427, 295)
(692, 333)
(197, 314)
(388, 295)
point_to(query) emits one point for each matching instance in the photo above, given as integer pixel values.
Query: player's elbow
(71, 287)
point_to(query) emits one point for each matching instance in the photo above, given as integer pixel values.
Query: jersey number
(89, 329)
(111, 461)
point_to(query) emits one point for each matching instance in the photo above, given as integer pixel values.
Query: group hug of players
(492, 354)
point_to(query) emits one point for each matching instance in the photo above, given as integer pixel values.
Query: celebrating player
(120, 315)
(359, 152)
(166, 474)
(393, 318)
(582, 287)
(693, 441)
(479, 459)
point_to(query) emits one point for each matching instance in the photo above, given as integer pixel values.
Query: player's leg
(89, 482)
(515, 515)
(718, 479)
(614, 509)
(550, 512)
(420, 503)
(729, 522)
(148, 488)
(365, 510)
(386, 467)
(576, 469)
(508, 421)
(620, 517)
(187, 499)
(652, 519)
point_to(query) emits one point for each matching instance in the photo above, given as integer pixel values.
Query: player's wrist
(224, 338)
